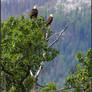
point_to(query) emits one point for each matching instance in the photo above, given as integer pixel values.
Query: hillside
(17, 7)
(76, 38)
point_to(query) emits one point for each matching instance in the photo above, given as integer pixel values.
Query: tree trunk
(35, 88)
(23, 88)
(5, 90)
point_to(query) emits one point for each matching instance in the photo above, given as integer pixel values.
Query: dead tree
(36, 85)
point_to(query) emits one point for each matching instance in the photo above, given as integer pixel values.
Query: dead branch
(58, 36)
(52, 35)
(39, 71)
(31, 73)
(41, 66)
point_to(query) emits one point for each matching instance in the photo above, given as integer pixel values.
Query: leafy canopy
(23, 45)
(81, 79)
(51, 87)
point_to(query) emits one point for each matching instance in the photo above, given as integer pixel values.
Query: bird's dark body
(34, 13)
(49, 21)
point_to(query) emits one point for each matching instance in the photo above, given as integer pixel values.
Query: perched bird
(49, 21)
(34, 13)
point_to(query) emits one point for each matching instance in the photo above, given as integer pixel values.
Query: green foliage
(51, 87)
(12, 89)
(76, 38)
(23, 45)
(28, 83)
(81, 79)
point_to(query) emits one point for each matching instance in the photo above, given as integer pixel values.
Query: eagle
(34, 12)
(49, 21)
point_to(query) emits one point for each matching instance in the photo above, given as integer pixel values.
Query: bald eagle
(49, 21)
(34, 13)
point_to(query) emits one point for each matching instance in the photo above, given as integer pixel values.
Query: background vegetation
(77, 37)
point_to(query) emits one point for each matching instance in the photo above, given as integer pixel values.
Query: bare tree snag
(36, 85)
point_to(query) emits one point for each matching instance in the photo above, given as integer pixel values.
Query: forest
(62, 70)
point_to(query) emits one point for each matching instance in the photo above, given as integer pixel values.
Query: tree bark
(5, 90)
(35, 88)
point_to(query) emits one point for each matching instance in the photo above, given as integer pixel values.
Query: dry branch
(61, 32)
(39, 71)
(31, 73)
(41, 66)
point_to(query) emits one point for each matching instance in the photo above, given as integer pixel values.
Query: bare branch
(41, 67)
(59, 36)
(39, 71)
(44, 54)
(31, 73)
(52, 35)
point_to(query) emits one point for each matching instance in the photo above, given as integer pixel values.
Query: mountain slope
(16, 7)
(77, 37)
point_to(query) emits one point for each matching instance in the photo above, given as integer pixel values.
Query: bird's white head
(35, 6)
(51, 15)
